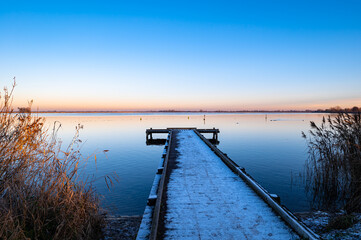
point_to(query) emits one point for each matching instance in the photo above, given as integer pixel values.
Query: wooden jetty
(200, 193)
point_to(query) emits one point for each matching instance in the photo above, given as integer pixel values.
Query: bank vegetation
(42, 193)
(333, 169)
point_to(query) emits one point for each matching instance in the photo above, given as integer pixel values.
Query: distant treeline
(338, 109)
(24, 110)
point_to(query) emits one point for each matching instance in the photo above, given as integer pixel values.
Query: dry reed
(42, 195)
(333, 169)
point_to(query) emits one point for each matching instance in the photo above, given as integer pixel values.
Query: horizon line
(182, 111)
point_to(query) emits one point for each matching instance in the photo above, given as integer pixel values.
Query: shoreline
(318, 222)
(120, 227)
(123, 227)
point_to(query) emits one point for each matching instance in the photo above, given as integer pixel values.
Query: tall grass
(333, 168)
(42, 195)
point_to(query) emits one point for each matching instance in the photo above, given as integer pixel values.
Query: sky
(182, 55)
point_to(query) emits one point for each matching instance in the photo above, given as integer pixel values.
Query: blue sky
(185, 55)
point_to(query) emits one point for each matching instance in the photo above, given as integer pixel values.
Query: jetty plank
(206, 200)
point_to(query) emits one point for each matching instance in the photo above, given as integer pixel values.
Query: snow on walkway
(206, 200)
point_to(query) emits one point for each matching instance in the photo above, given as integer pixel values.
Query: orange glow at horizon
(180, 105)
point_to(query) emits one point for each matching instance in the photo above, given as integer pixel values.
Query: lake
(269, 146)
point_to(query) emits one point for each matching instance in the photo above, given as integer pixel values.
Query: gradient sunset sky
(182, 55)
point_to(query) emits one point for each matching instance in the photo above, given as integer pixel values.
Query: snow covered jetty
(200, 193)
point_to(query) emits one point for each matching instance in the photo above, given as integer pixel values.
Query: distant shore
(328, 110)
(205, 112)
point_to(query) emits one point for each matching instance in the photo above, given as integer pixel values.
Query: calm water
(272, 151)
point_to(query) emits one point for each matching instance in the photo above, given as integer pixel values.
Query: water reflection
(270, 147)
